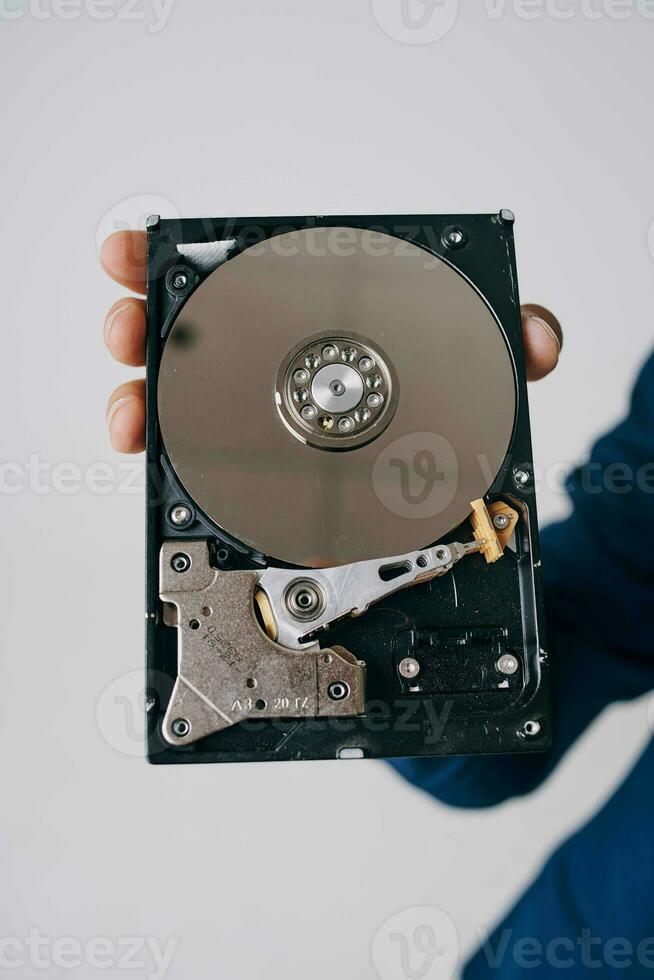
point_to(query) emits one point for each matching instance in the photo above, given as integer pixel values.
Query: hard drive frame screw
(454, 237)
(531, 729)
(521, 477)
(501, 522)
(181, 727)
(507, 664)
(180, 515)
(409, 668)
(180, 562)
(507, 217)
(179, 280)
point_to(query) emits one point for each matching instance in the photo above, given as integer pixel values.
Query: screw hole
(207, 611)
(251, 682)
(180, 562)
(454, 237)
(260, 704)
(421, 561)
(195, 624)
(338, 691)
(181, 727)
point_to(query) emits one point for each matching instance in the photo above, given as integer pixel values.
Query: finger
(126, 417)
(124, 331)
(123, 256)
(543, 339)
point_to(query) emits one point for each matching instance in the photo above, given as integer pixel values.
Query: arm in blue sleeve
(598, 570)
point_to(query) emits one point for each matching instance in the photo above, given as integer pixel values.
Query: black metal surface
(456, 626)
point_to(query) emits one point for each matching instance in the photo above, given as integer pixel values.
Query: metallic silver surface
(320, 392)
(501, 521)
(348, 590)
(229, 670)
(304, 599)
(409, 667)
(180, 515)
(287, 499)
(508, 664)
(337, 388)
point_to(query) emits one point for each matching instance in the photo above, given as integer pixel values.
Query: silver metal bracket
(228, 668)
(304, 603)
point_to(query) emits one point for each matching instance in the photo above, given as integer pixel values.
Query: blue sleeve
(597, 886)
(598, 570)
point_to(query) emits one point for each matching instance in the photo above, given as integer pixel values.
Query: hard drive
(342, 547)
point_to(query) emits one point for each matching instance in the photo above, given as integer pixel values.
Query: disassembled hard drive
(342, 556)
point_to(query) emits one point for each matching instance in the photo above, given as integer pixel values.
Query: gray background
(257, 108)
